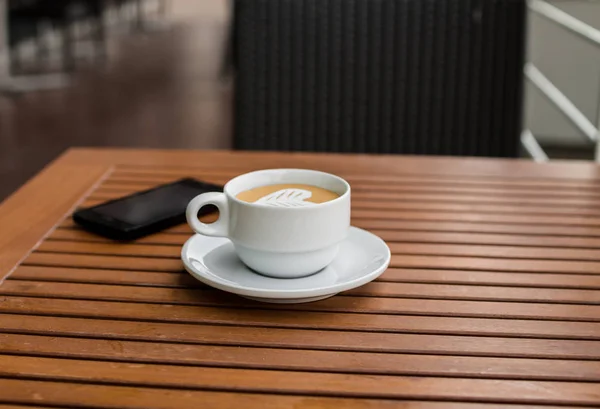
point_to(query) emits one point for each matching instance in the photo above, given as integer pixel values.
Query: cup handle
(220, 228)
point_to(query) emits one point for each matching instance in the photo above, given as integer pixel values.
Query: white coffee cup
(283, 242)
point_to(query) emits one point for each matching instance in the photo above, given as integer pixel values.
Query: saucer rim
(290, 294)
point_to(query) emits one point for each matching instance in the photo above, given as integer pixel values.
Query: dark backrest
(381, 76)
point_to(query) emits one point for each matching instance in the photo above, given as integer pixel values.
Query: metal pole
(565, 20)
(533, 148)
(597, 155)
(560, 100)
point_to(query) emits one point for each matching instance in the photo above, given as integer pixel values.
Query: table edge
(30, 214)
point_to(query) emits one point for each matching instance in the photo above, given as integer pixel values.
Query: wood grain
(105, 276)
(9, 406)
(136, 397)
(111, 262)
(475, 263)
(143, 397)
(108, 248)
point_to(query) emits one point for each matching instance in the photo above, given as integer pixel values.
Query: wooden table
(492, 296)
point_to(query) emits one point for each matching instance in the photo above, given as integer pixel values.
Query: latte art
(288, 195)
(287, 198)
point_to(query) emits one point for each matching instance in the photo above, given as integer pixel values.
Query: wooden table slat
(290, 359)
(136, 397)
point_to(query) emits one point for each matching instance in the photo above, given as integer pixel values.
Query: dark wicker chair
(381, 76)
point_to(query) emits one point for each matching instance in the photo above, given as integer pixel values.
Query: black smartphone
(146, 212)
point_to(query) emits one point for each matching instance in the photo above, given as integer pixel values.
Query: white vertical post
(533, 148)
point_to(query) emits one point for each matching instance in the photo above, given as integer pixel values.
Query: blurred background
(150, 80)
(155, 73)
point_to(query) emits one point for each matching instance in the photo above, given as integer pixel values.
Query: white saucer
(362, 258)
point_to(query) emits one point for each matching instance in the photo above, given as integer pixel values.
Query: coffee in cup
(288, 195)
(284, 223)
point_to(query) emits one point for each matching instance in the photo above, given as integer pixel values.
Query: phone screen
(152, 205)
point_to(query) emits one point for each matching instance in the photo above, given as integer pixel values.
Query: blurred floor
(159, 89)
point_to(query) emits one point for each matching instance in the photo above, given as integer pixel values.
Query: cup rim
(342, 197)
